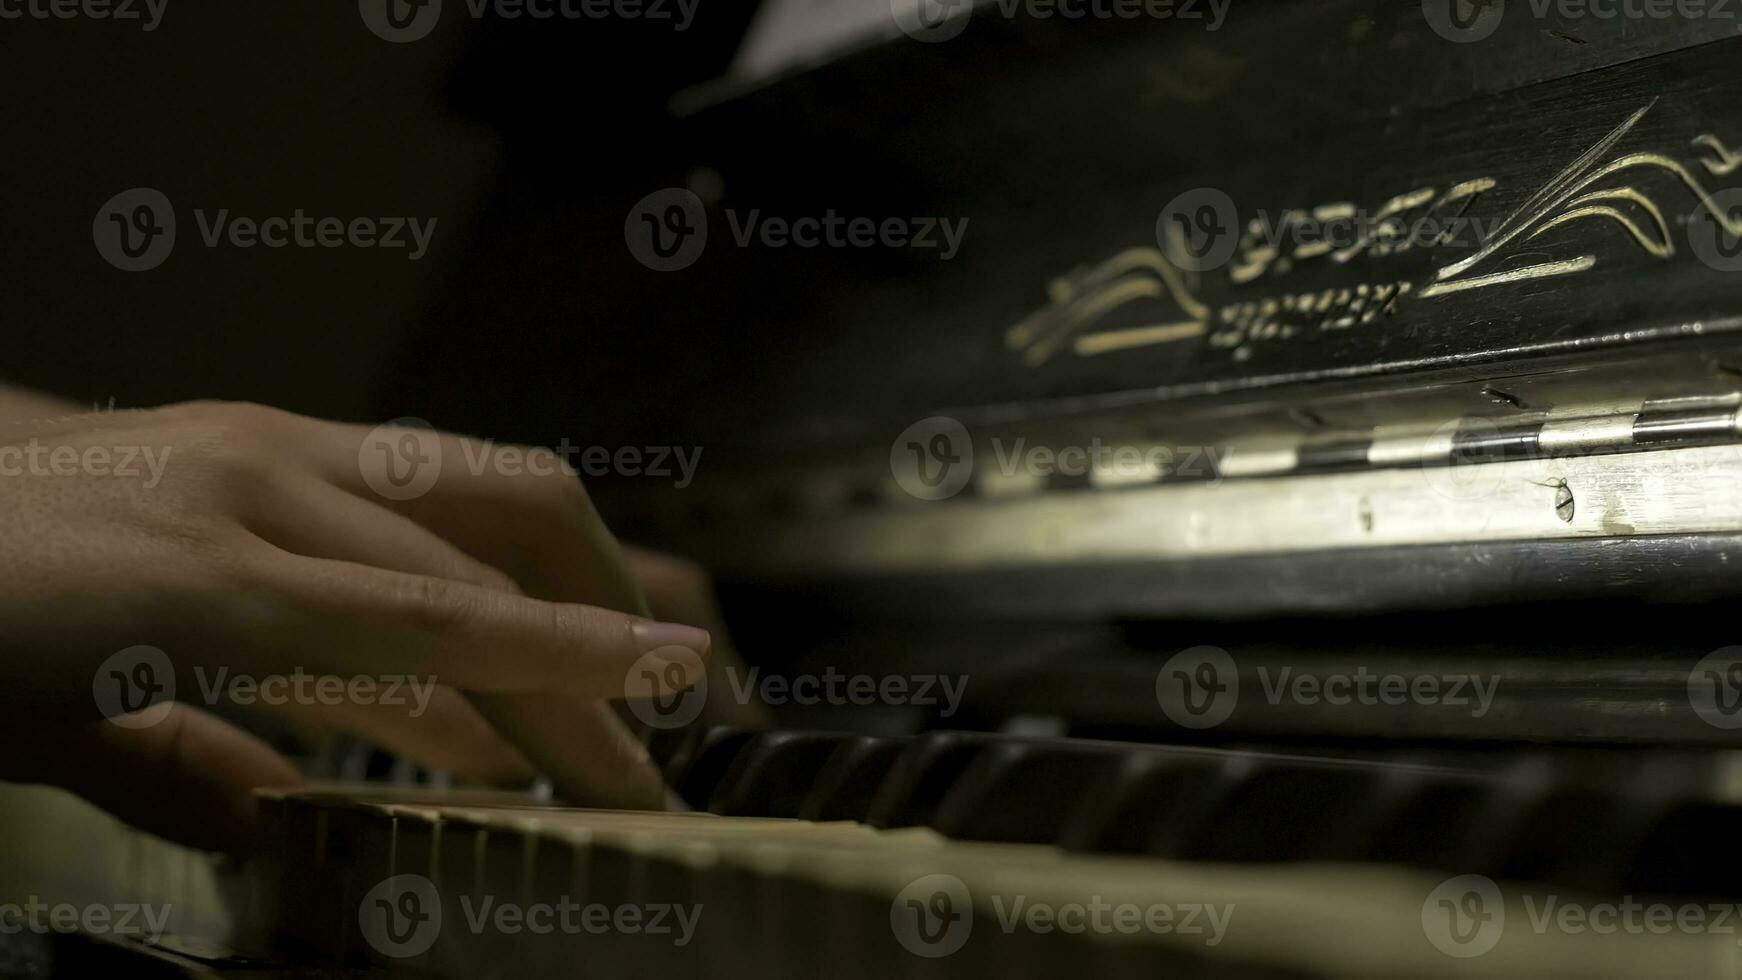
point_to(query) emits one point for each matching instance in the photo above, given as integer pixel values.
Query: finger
(359, 619)
(593, 762)
(446, 734)
(532, 520)
(679, 591)
(589, 754)
(312, 518)
(540, 527)
(188, 778)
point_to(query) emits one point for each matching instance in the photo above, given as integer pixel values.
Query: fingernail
(651, 636)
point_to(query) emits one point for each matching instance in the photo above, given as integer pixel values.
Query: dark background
(527, 141)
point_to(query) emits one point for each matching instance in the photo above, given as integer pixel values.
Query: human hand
(254, 542)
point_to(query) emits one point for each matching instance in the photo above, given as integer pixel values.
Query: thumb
(188, 778)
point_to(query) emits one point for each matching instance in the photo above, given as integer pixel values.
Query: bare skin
(258, 548)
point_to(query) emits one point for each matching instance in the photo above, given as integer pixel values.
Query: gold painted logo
(1597, 186)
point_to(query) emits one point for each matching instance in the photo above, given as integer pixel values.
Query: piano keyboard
(955, 854)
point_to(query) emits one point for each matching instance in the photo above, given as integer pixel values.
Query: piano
(1233, 492)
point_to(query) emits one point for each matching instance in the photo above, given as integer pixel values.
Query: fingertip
(652, 635)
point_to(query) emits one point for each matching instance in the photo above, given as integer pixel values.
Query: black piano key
(1486, 838)
(923, 772)
(1282, 811)
(664, 744)
(1582, 821)
(1688, 852)
(1024, 791)
(702, 760)
(772, 774)
(1422, 822)
(1580, 836)
(849, 780)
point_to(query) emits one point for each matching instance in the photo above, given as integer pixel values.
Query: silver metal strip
(1670, 491)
